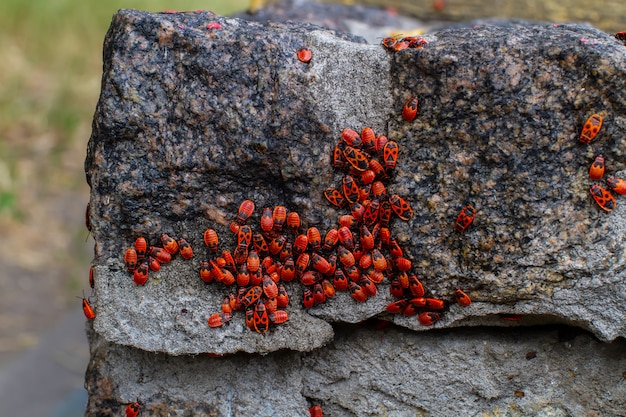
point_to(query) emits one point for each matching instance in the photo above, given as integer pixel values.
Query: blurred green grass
(49, 79)
(49, 86)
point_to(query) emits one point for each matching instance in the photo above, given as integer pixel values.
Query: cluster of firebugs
(601, 195)
(355, 256)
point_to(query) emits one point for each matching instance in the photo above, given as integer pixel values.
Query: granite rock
(193, 120)
(545, 371)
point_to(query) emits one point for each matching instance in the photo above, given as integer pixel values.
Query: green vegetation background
(49, 84)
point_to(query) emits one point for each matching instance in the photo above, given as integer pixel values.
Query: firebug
(270, 305)
(243, 276)
(401, 207)
(261, 320)
(260, 245)
(250, 318)
(87, 309)
(415, 286)
(309, 278)
(381, 141)
(227, 277)
(302, 263)
(591, 128)
(270, 289)
(350, 189)
(234, 227)
(318, 293)
(246, 208)
(340, 281)
(395, 289)
(331, 239)
(418, 302)
(596, 171)
(91, 279)
(356, 158)
(288, 271)
(205, 272)
(252, 296)
(378, 189)
(434, 303)
(140, 276)
(351, 137)
(368, 286)
(169, 244)
(267, 223)
(357, 292)
(186, 252)
(88, 224)
(410, 309)
(345, 237)
(604, 198)
(378, 260)
(464, 219)
(369, 139)
(338, 159)
(335, 197)
(319, 263)
(367, 238)
(130, 259)
(141, 246)
(328, 288)
(349, 221)
(618, 185)
(286, 252)
(428, 318)
(300, 244)
(415, 41)
(304, 55)
(394, 249)
(367, 177)
(316, 411)
(279, 316)
(160, 254)
(253, 262)
(461, 298)
(389, 43)
(283, 296)
(375, 276)
(277, 244)
(400, 45)
(279, 216)
(397, 306)
(132, 409)
(402, 264)
(293, 222)
(370, 215)
(307, 298)
(229, 261)
(390, 154)
(216, 320)
(409, 111)
(314, 238)
(153, 264)
(345, 256)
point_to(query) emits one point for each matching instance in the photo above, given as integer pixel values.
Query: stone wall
(199, 112)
